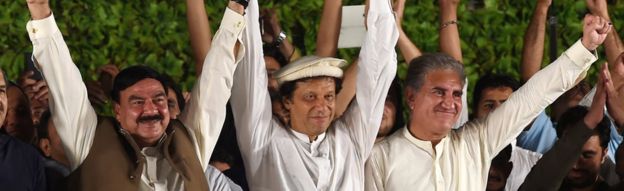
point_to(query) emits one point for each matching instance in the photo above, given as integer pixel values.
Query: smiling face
(143, 111)
(436, 106)
(311, 105)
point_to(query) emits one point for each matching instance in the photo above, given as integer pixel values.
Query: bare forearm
(329, 29)
(287, 49)
(343, 99)
(407, 47)
(533, 49)
(39, 9)
(449, 33)
(613, 46)
(199, 31)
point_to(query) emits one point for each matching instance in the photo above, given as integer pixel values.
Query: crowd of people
(261, 116)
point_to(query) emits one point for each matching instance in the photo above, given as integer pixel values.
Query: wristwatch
(280, 38)
(244, 3)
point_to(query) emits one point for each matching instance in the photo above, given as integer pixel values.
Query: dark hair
(395, 96)
(131, 76)
(504, 155)
(42, 127)
(492, 81)
(275, 53)
(221, 155)
(421, 66)
(170, 83)
(286, 90)
(575, 115)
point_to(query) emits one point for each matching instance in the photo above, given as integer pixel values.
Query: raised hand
(399, 8)
(615, 92)
(39, 9)
(598, 7)
(271, 26)
(595, 30)
(596, 111)
(34, 89)
(107, 74)
(544, 2)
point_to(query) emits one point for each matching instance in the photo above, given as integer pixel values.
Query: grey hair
(421, 66)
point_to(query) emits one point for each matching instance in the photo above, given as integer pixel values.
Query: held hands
(271, 26)
(39, 9)
(615, 91)
(595, 30)
(596, 112)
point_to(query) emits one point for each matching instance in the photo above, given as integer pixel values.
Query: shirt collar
(306, 138)
(425, 145)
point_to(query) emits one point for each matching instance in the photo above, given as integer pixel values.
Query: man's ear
(44, 146)
(287, 102)
(116, 109)
(410, 97)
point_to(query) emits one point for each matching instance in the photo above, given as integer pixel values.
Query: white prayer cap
(310, 66)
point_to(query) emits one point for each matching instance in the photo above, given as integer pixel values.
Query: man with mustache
(141, 148)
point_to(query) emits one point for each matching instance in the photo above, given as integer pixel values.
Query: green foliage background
(155, 32)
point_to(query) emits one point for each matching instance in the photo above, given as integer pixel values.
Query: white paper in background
(352, 30)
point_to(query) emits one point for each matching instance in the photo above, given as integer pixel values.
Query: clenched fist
(595, 30)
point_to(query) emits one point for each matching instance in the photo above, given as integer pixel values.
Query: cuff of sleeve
(235, 22)
(580, 55)
(42, 28)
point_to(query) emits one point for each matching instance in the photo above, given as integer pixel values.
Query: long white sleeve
(74, 117)
(205, 113)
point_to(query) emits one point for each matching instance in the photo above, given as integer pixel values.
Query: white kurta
(523, 161)
(275, 158)
(76, 120)
(461, 160)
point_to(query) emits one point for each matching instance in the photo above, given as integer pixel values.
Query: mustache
(149, 118)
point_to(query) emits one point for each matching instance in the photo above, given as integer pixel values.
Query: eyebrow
(133, 97)
(440, 88)
(160, 94)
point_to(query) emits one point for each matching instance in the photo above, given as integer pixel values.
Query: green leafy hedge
(155, 32)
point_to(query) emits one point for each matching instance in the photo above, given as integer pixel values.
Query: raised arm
(615, 93)
(273, 34)
(533, 49)
(376, 70)
(329, 29)
(613, 43)
(344, 98)
(544, 87)
(199, 32)
(449, 32)
(552, 168)
(251, 103)
(406, 46)
(205, 113)
(74, 117)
